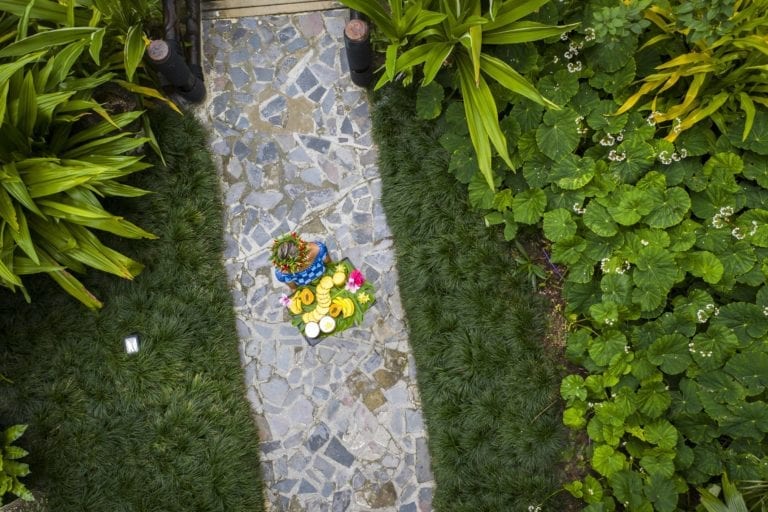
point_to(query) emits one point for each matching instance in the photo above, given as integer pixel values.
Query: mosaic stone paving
(340, 423)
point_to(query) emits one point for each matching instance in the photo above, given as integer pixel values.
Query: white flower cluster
(609, 322)
(678, 125)
(570, 53)
(578, 209)
(667, 159)
(589, 34)
(651, 119)
(534, 508)
(615, 156)
(737, 234)
(702, 315)
(765, 310)
(581, 129)
(610, 140)
(702, 353)
(644, 243)
(621, 269)
(722, 217)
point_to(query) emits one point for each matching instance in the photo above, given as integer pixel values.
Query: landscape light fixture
(131, 343)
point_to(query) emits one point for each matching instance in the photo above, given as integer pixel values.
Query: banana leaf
(523, 32)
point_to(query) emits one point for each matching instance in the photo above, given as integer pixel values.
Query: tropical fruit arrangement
(335, 301)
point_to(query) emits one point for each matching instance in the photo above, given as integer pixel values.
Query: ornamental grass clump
(721, 73)
(422, 37)
(64, 146)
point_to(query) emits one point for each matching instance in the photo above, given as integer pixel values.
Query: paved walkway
(340, 423)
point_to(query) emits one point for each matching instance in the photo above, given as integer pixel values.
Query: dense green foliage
(489, 386)
(11, 468)
(656, 215)
(457, 36)
(167, 428)
(70, 126)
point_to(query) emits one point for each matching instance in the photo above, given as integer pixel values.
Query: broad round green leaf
(605, 312)
(703, 264)
(661, 433)
(559, 87)
(659, 462)
(662, 493)
(607, 461)
(670, 353)
(670, 210)
(627, 486)
(559, 225)
(710, 349)
(638, 156)
(653, 399)
(572, 388)
(528, 205)
(429, 100)
(558, 135)
(573, 172)
(605, 347)
(745, 319)
(656, 269)
(751, 369)
(598, 220)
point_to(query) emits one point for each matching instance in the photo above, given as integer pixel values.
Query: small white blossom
(765, 310)
(615, 156)
(651, 119)
(568, 55)
(737, 234)
(701, 316)
(626, 349)
(645, 242)
(664, 158)
(578, 209)
(678, 125)
(589, 34)
(754, 228)
(564, 36)
(620, 135)
(609, 322)
(608, 140)
(555, 59)
(574, 67)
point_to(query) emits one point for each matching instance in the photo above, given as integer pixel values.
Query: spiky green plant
(61, 150)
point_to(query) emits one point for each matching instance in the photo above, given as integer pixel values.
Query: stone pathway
(341, 424)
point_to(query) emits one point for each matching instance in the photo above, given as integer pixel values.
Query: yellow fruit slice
(349, 307)
(295, 306)
(307, 297)
(339, 278)
(326, 282)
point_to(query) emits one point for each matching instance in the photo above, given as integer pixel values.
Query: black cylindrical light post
(359, 51)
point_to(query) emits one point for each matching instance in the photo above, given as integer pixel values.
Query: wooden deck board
(245, 8)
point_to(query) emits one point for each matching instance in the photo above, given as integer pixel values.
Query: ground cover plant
(648, 186)
(489, 388)
(166, 428)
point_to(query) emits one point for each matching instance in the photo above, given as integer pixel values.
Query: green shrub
(455, 35)
(10, 467)
(663, 245)
(66, 140)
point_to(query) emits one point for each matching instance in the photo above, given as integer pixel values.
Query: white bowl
(327, 324)
(312, 330)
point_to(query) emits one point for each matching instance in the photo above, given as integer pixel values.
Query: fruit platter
(332, 303)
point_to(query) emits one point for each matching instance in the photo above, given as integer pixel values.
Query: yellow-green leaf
(45, 40)
(133, 51)
(748, 106)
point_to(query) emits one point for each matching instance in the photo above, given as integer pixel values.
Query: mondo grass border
(489, 387)
(169, 428)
